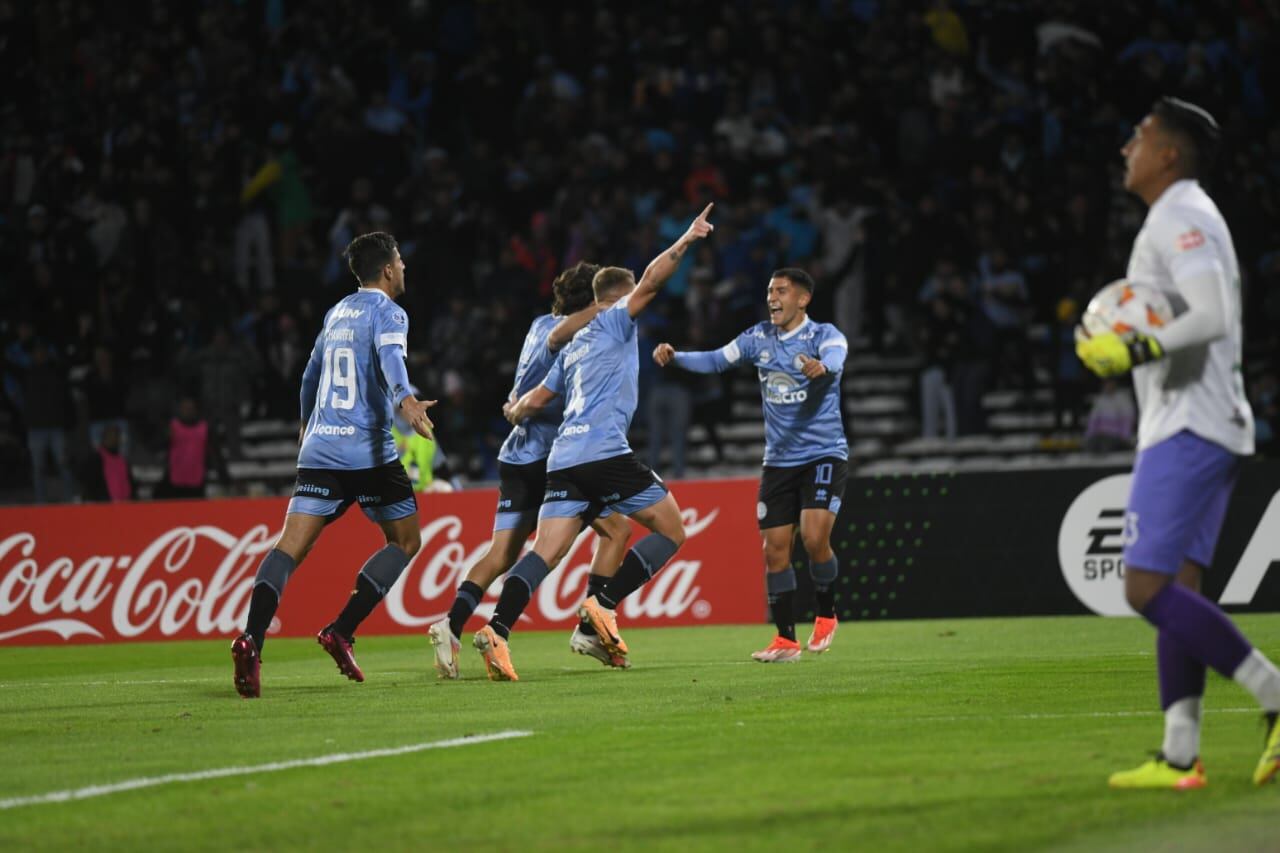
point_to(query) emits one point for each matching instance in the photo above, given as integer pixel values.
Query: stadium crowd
(176, 189)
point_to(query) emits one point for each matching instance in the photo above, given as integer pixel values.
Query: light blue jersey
(801, 416)
(353, 380)
(597, 375)
(531, 440)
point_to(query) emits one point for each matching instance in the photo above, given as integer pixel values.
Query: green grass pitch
(928, 735)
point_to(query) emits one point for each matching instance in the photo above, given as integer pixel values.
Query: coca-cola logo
(425, 591)
(167, 587)
(144, 598)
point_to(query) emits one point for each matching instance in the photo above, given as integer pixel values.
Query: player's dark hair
(572, 288)
(367, 254)
(1195, 133)
(796, 276)
(610, 279)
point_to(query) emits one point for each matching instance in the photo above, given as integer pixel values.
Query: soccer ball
(1123, 306)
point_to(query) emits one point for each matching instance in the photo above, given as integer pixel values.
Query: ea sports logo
(1091, 546)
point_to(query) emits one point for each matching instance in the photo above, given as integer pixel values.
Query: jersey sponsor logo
(782, 389)
(368, 499)
(311, 489)
(329, 429)
(611, 498)
(556, 495)
(572, 358)
(1192, 239)
(346, 313)
(577, 429)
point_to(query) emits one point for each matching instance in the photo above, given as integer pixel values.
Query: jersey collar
(376, 290)
(791, 334)
(1171, 192)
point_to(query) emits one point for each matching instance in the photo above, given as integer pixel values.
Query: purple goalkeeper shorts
(1177, 501)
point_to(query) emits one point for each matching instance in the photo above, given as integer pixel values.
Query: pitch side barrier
(999, 544)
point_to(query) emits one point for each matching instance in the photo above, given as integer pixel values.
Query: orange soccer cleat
(781, 650)
(605, 621)
(496, 654)
(824, 631)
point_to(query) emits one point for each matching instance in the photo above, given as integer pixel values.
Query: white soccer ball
(1124, 306)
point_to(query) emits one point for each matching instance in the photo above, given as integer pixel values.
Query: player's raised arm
(664, 266)
(563, 332)
(741, 349)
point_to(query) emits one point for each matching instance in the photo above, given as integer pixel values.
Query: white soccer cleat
(446, 648)
(590, 645)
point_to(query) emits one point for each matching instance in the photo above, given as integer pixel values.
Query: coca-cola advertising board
(185, 569)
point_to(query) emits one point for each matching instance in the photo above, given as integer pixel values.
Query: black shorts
(520, 490)
(384, 493)
(620, 484)
(784, 492)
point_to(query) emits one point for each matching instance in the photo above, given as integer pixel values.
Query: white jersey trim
(731, 352)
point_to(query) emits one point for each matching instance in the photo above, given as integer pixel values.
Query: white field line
(222, 772)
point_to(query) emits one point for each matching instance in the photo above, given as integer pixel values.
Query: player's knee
(676, 535)
(409, 541)
(817, 546)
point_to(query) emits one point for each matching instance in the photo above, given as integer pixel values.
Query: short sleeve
(617, 321)
(830, 338)
(743, 348)
(554, 380)
(391, 328)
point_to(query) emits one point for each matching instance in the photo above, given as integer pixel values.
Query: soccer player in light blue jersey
(591, 469)
(522, 472)
(805, 453)
(352, 384)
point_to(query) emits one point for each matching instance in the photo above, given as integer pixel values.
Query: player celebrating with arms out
(591, 469)
(353, 382)
(805, 454)
(522, 468)
(1194, 428)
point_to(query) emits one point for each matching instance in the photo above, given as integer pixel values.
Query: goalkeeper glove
(1111, 354)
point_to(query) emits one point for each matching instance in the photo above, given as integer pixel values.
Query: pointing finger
(706, 211)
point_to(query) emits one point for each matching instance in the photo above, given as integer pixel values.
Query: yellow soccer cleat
(1269, 763)
(496, 654)
(1159, 773)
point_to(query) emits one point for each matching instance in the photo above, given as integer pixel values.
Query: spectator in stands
(1112, 420)
(46, 411)
(942, 332)
(1006, 303)
(105, 393)
(226, 373)
(192, 453)
(1069, 377)
(107, 474)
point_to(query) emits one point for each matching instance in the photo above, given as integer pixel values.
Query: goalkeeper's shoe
(590, 645)
(496, 654)
(781, 650)
(605, 621)
(824, 631)
(341, 649)
(248, 677)
(446, 648)
(1159, 773)
(1269, 763)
